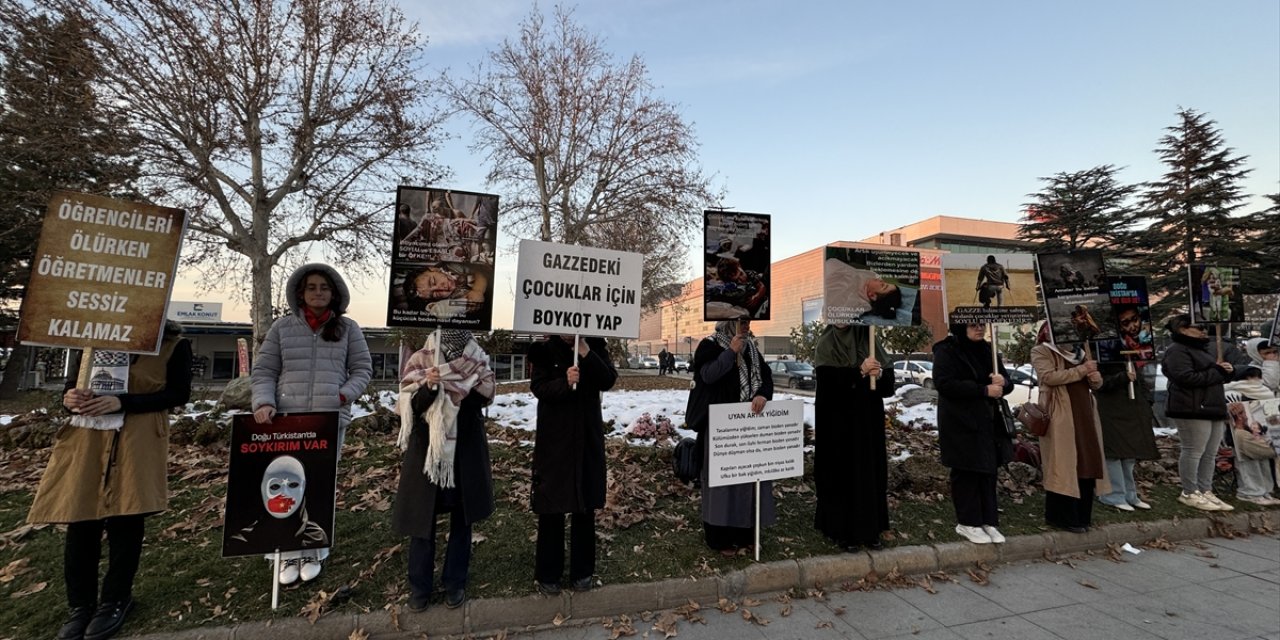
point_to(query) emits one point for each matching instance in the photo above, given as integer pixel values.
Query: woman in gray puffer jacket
(314, 359)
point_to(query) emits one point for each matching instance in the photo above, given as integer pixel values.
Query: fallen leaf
(358, 634)
(1086, 583)
(35, 588)
(559, 619)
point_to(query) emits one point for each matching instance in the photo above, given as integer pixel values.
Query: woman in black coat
(568, 455)
(731, 367)
(971, 431)
(850, 468)
(435, 480)
(1197, 406)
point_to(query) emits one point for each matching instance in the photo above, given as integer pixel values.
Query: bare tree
(276, 123)
(585, 152)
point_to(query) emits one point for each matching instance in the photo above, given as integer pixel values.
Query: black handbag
(695, 411)
(686, 460)
(1006, 415)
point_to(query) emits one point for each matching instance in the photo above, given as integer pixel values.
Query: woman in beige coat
(1074, 468)
(106, 473)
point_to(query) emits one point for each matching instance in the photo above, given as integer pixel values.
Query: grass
(183, 582)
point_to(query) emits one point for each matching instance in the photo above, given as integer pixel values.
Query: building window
(811, 310)
(895, 239)
(224, 365)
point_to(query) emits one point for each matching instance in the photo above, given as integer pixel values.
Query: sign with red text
(280, 484)
(102, 274)
(572, 290)
(746, 447)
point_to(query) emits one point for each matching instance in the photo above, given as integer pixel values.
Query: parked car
(1026, 388)
(914, 372)
(682, 364)
(648, 362)
(792, 374)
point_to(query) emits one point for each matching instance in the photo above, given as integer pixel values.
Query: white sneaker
(1141, 505)
(1215, 501)
(994, 534)
(974, 534)
(1265, 501)
(1123, 506)
(310, 569)
(1197, 500)
(289, 572)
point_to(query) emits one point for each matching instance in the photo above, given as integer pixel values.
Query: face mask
(283, 485)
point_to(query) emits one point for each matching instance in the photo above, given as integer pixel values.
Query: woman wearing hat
(1197, 406)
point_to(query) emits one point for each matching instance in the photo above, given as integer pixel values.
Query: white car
(682, 364)
(1025, 387)
(648, 362)
(915, 372)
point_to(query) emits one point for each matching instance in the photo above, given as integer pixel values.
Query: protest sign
(746, 447)
(1131, 307)
(869, 286)
(1216, 295)
(280, 484)
(102, 274)
(572, 290)
(1076, 298)
(989, 289)
(736, 266)
(442, 259)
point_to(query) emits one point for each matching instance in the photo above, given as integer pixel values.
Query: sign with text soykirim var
(567, 289)
(102, 274)
(746, 447)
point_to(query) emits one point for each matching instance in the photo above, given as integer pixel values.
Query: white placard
(567, 289)
(746, 447)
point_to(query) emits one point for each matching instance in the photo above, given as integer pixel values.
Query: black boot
(108, 620)
(77, 620)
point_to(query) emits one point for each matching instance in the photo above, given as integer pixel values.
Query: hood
(1252, 347)
(339, 286)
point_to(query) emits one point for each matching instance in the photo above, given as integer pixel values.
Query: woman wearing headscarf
(446, 466)
(107, 473)
(850, 468)
(1255, 456)
(971, 431)
(1071, 451)
(1197, 406)
(731, 366)
(314, 359)
(568, 456)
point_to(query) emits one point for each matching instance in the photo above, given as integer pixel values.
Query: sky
(845, 119)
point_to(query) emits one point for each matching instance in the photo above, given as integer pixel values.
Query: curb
(530, 613)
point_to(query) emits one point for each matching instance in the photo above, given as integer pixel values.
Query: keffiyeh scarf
(748, 359)
(463, 368)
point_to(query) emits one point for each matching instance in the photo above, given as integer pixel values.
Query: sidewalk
(1229, 588)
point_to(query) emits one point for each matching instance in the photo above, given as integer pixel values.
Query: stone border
(490, 616)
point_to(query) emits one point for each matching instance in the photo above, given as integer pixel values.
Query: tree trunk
(13, 372)
(260, 309)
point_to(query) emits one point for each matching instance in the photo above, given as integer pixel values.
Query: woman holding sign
(107, 473)
(1074, 468)
(314, 359)
(850, 469)
(1197, 406)
(446, 465)
(568, 455)
(971, 431)
(731, 366)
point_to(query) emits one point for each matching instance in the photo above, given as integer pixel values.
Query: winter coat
(1058, 446)
(970, 434)
(568, 449)
(1195, 381)
(298, 370)
(1126, 424)
(415, 508)
(95, 474)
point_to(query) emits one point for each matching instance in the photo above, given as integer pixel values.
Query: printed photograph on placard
(1130, 304)
(1260, 308)
(446, 294)
(871, 287)
(442, 260)
(1076, 297)
(280, 484)
(1255, 429)
(1216, 295)
(991, 288)
(736, 265)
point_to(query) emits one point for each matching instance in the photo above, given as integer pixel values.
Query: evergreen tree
(1078, 209)
(1189, 210)
(55, 134)
(906, 339)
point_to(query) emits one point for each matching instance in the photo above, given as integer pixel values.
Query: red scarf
(314, 321)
